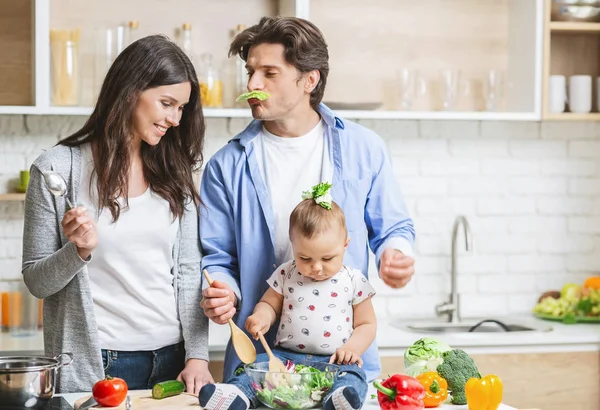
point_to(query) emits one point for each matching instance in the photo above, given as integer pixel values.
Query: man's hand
(344, 355)
(218, 302)
(395, 268)
(195, 375)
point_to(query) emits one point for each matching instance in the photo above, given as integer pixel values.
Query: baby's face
(321, 256)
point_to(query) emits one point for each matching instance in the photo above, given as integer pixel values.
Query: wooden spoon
(242, 344)
(275, 365)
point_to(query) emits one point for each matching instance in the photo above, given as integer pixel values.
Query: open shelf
(350, 114)
(369, 42)
(570, 116)
(570, 48)
(14, 197)
(574, 27)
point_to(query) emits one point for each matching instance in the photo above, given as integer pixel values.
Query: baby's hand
(255, 323)
(344, 355)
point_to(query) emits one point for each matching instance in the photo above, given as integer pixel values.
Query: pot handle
(64, 359)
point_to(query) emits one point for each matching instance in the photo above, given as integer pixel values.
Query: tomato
(110, 392)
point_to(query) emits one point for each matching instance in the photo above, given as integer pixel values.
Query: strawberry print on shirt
(317, 316)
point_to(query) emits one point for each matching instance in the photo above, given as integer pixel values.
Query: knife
(88, 404)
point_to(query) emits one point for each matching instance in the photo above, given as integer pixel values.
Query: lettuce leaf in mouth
(261, 95)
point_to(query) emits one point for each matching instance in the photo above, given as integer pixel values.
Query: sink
(485, 326)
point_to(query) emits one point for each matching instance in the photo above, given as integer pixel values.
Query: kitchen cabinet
(25, 79)
(570, 48)
(548, 381)
(368, 43)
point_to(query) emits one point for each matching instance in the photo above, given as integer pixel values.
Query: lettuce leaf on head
(261, 95)
(424, 356)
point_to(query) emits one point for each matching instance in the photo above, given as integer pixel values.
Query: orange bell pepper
(484, 393)
(593, 282)
(436, 389)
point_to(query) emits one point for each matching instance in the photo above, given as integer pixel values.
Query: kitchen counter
(550, 336)
(393, 339)
(370, 404)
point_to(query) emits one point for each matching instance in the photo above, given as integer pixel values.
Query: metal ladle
(56, 185)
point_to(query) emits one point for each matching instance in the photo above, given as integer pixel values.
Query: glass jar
(65, 67)
(211, 86)
(20, 311)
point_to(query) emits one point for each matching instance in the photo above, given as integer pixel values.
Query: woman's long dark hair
(168, 167)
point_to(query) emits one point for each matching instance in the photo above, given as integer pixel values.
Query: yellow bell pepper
(484, 393)
(436, 389)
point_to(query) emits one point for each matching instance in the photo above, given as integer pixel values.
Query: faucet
(451, 308)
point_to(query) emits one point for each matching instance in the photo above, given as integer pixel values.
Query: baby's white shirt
(317, 316)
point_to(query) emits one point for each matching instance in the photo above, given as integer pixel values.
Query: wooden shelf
(569, 116)
(574, 27)
(14, 197)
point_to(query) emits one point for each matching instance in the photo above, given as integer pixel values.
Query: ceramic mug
(580, 94)
(24, 178)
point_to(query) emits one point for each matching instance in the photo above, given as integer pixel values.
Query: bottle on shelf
(186, 40)
(211, 87)
(241, 74)
(133, 33)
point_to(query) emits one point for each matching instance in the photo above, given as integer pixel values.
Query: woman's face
(158, 109)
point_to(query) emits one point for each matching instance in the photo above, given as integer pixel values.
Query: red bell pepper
(400, 392)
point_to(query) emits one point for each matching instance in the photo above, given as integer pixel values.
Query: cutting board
(142, 400)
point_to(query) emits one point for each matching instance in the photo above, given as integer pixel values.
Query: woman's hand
(80, 229)
(195, 375)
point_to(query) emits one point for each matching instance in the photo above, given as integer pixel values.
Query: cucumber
(167, 389)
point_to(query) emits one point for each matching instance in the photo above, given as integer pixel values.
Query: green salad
(304, 387)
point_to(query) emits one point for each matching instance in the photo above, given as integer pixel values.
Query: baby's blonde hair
(310, 218)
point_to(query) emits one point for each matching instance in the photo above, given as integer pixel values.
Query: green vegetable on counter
(260, 95)
(458, 367)
(424, 356)
(167, 389)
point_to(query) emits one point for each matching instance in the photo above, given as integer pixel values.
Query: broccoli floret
(457, 368)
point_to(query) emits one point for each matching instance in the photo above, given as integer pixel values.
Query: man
(250, 186)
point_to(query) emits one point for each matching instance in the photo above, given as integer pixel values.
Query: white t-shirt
(130, 270)
(290, 166)
(317, 316)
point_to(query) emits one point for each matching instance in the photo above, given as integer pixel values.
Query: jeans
(141, 370)
(349, 375)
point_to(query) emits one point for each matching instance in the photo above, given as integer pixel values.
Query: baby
(324, 309)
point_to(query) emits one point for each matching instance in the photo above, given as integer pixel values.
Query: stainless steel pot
(27, 382)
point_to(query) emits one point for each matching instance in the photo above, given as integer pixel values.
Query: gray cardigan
(53, 271)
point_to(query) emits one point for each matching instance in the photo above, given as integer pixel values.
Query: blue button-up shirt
(237, 224)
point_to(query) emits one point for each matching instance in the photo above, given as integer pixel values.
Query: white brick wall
(530, 191)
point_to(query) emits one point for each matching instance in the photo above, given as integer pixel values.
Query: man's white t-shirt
(290, 166)
(130, 270)
(317, 316)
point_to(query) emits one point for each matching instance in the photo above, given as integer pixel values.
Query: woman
(119, 273)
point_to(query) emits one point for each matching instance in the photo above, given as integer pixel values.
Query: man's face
(288, 89)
